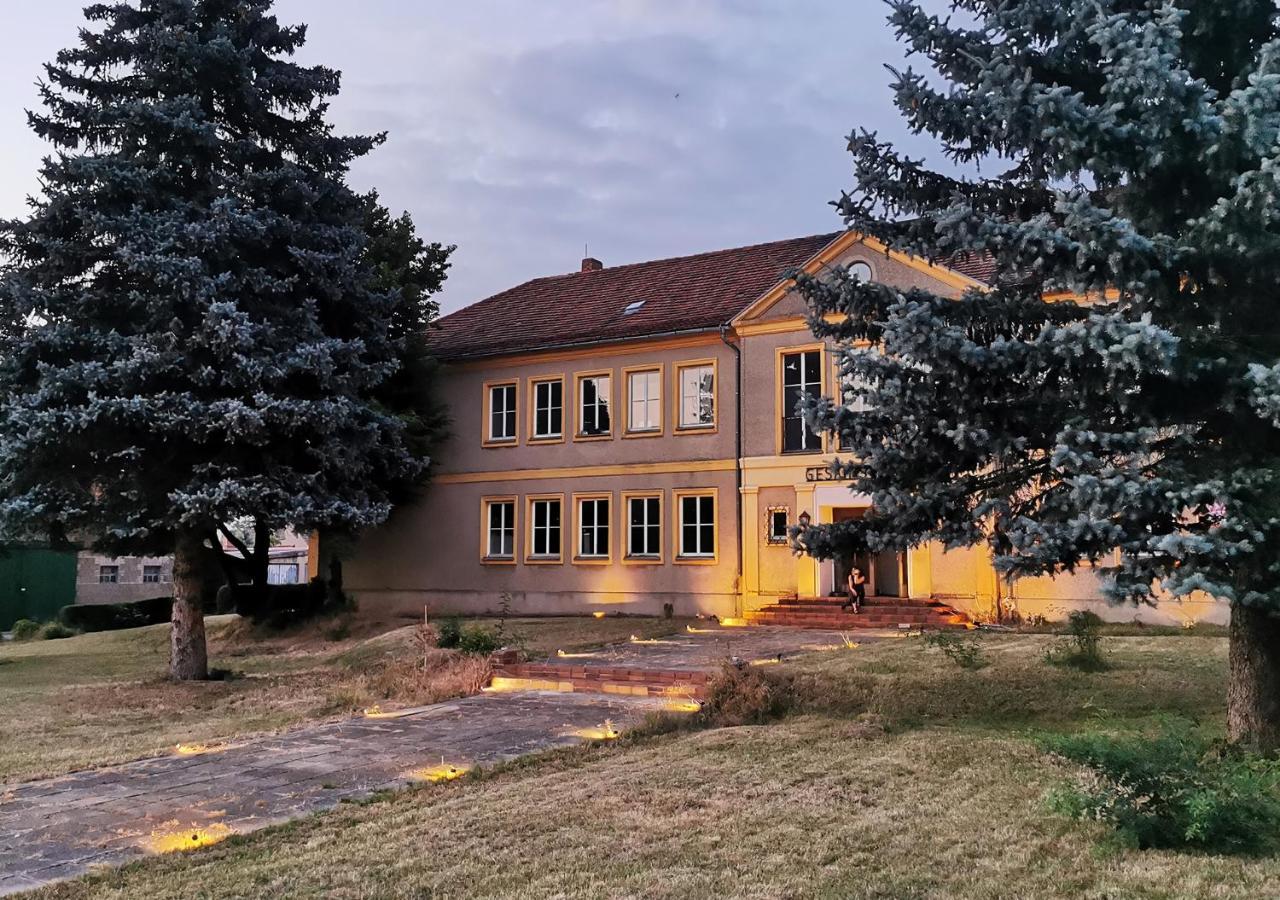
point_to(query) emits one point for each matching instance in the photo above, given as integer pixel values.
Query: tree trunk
(1253, 688)
(188, 655)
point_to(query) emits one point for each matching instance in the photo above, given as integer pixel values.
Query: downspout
(737, 456)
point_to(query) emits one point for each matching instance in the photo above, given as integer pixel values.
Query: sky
(525, 132)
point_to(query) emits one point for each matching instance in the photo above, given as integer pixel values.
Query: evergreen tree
(1135, 152)
(193, 333)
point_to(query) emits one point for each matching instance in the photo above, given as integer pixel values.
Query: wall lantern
(805, 521)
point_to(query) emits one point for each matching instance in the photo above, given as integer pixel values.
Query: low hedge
(115, 616)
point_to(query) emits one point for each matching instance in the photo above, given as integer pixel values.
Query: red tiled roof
(689, 293)
(979, 267)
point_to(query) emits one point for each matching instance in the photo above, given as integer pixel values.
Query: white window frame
(599, 526)
(509, 412)
(700, 554)
(542, 533)
(504, 527)
(603, 401)
(685, 401)
(786, 412)
(536, 407)
(629, 554)
(651, 402)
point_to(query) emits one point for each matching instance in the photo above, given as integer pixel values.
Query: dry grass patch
(99, 699)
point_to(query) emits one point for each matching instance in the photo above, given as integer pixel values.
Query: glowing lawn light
(733, 623)
(598, 614)
(180, 840)
(197, 749)
(606, 732)
(436, 774)
(684, 706)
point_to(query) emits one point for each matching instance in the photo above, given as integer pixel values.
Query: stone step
(837, 602)
(566, 678)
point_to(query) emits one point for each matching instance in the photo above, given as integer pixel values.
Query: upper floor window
(544, 528)
(548, 409)
(861, 271)
(594, 396)
(644, 401)
(501, 399)
(801, 379)
(697, 386)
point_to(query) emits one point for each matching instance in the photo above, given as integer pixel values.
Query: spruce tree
(192, 333)
(1128, 166)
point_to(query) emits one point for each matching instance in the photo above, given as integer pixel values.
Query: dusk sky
(523, 131)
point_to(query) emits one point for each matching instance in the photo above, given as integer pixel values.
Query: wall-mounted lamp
(805, 520)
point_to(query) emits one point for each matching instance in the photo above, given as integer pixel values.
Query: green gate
(35, 583)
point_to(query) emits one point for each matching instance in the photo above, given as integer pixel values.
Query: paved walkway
(63, 827)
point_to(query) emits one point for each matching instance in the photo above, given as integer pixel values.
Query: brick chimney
(591, 264)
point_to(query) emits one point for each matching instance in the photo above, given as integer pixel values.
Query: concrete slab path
(62, 827)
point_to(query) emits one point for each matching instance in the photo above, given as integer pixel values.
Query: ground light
(195, 749)
(436, 774)
(178, 840)
(733, 623)
(606, 732)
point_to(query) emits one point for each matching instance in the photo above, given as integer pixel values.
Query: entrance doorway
(886, 571)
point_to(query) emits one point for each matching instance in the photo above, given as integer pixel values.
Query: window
(544, 529)
(594, 396)
(644, 526)
(150, 574)
(697, 394)
(644, 401)
(778, 524)
(282, 573)
(500, 400)
(696, 538)
(801, 379)
(500, 529)
(855, 404)
(593, 528)
(861, 271)
(548, 410)
(108, 574)
(633, 307)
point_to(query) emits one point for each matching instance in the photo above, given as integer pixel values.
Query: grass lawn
(102, 698)
(901, 776)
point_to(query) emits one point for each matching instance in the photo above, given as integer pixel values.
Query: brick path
(63, 827)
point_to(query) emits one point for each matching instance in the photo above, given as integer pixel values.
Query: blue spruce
(191, 330)
(1128, 160)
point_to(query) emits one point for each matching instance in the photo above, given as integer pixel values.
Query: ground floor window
(150, 574)
(644, 527)
(108, 574)
(778, 524)
(593, 527)
(697, 526)
(282, 573)
(544, 528)
(500, 529)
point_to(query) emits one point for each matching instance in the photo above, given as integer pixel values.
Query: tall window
(502, 413)
(644, 527)
(593, 527)
(697, 526)
(697, 396)
(500, 529)
(548, 409)
(544, 527)
(593, 398)
(801, 379)
(150, 574)
(644, 401)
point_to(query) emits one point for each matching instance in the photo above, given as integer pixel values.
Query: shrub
(449, 633)
(1172, 789)
(55, 631)
(1084, 652)
(25, 629)
(116, 616)
(965, 652)
(478, 640)
(745, 695)
(282, 605)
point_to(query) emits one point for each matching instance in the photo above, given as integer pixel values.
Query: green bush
(479, 640)
(1173, 788)
(115, 616)
(55, 631)
(449, 633)
(25, 629)
(1084, 651)
(282, 605)
(965, 652)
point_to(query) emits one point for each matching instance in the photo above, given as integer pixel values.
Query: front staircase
(877, 612)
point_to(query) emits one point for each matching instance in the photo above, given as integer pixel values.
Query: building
(109, 579)
(624, 440)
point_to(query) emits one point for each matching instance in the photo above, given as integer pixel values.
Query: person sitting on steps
(857, 586)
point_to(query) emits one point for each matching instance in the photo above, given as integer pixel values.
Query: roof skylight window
(633, 307)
